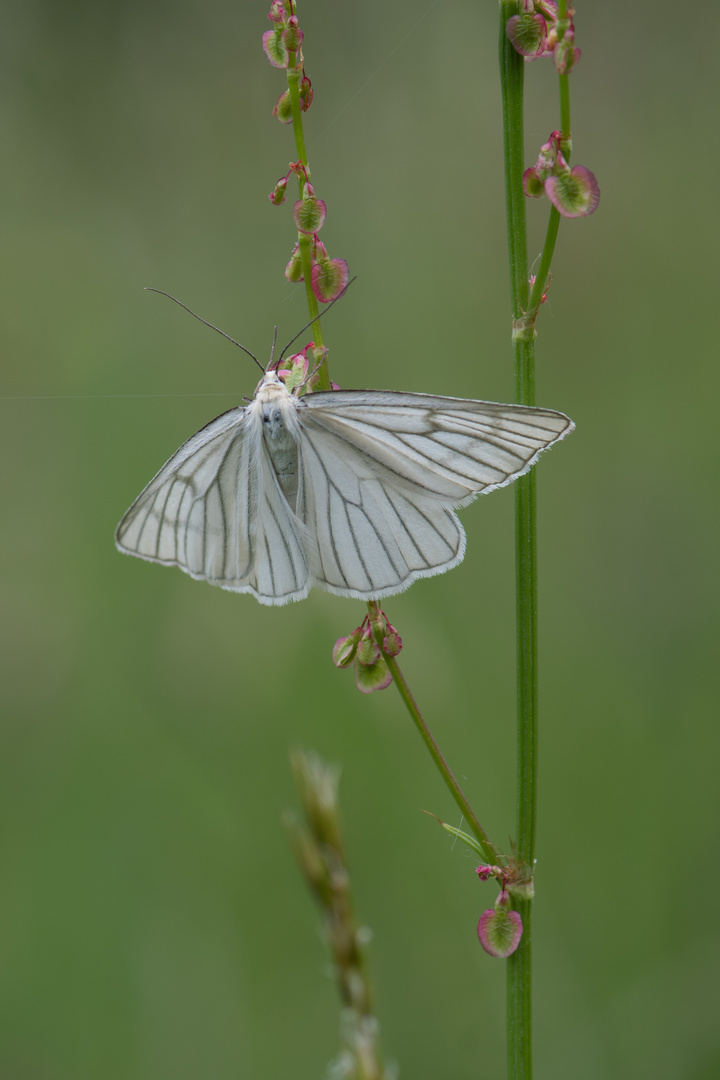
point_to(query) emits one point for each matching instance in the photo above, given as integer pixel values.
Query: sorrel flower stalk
(324, 278)
(530, 29)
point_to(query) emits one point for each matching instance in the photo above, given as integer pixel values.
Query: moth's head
(269, 380)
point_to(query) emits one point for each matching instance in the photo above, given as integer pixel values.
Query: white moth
(351, 491)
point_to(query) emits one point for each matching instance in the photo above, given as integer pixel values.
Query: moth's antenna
(272, 350)
(149, 288)
(318, 316)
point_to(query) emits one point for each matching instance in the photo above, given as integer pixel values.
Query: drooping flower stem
(519, 985)
(543, 269)
(490, 852)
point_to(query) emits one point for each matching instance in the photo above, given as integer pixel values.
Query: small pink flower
(499, 931)
(306, 93)
(274, 48)
(574, 193)
(368, 651)
(277, 11)
(372, 677)
(547, 8)
(345, 648)
(292, 37)
(278, 194)
(329, 279)
(283, 108)
(485, 872)
(565, 54)
(293, 270)
(309, 213)
(362, 651)
(527, 34)
(392, 642)
(532, 184)
(294, 373)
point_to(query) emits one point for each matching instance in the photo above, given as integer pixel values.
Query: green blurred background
(153, 922)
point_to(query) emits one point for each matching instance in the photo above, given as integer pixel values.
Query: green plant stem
(294, 75)
(543, 272)
(519, 984)
(512, 80)
(563, 23)
(490, 852)
(565, 115)
(519, 999)
(526, 620)
(378, 626)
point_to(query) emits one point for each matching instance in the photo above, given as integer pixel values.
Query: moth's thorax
(276, 409)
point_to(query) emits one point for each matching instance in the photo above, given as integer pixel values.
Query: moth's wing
(381, 472)
(453, 448)
(215, 510)
(374, 537)
(284, 551)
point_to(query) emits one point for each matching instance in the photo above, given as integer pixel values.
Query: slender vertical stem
(519, 987)
(512, 76)
(294, 75)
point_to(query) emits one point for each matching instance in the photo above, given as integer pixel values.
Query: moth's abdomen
(281, 445)
(273, 422)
